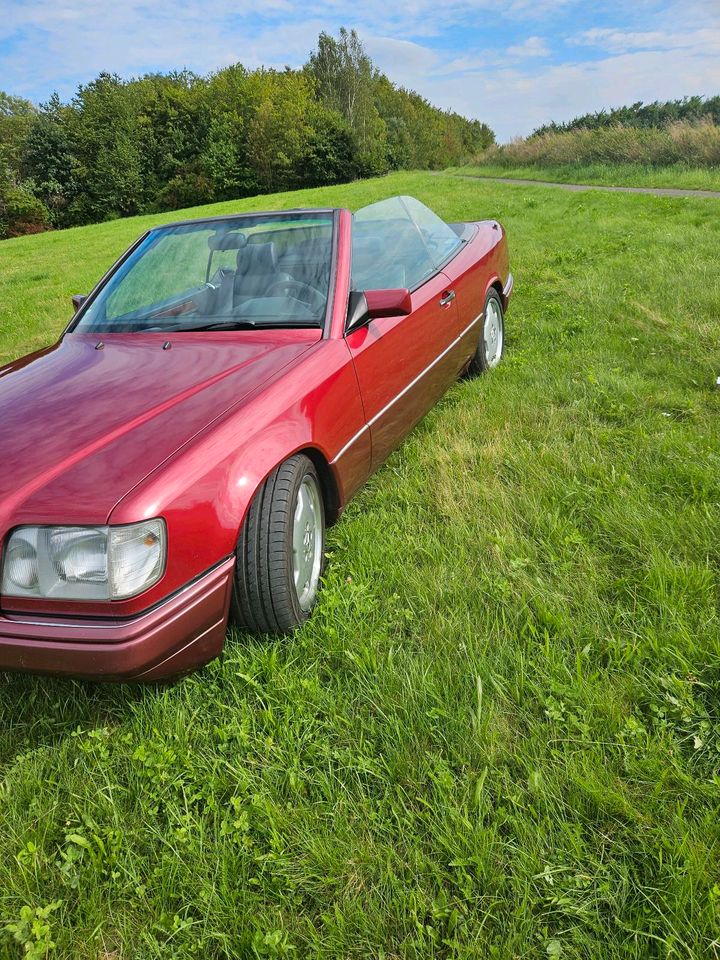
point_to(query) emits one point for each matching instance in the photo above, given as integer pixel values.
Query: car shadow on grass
(41, 711)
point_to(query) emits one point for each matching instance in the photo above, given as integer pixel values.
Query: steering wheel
(299, 291)
(217, 278)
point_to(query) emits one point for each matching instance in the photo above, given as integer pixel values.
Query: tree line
(166, 141)
(656, 114)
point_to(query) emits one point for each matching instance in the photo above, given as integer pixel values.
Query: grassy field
(499, 736)
(603, 174)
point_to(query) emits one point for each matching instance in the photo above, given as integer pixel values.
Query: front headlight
(84, 563)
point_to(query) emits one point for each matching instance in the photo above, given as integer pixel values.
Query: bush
(695, 144)
(189, 189)
(21, 212)
(657, 114)
(329, 153)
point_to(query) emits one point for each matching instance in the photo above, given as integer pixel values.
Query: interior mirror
(373, 304)
(227, 240)
(78, 299)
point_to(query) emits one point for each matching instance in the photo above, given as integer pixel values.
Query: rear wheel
(492, 336)
(280, 552)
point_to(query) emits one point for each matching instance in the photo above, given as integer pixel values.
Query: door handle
(447, 298)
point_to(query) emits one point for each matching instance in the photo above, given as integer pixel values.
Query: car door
(403, 364)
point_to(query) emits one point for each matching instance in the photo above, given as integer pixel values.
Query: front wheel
(281, 550)
(492, 336)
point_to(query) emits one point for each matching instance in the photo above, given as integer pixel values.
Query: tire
(285, 524)
(492, 317)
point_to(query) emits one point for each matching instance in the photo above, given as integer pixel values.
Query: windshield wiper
(219, 325)
(247, 325)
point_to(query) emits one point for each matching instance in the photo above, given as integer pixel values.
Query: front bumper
(181, 633)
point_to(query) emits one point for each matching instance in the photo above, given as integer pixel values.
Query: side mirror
(373, 304)
(78, 299)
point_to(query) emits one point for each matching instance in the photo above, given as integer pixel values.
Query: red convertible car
(214, 403)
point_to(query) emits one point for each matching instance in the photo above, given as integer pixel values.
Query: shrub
(21, 212)
(695, 144)
(657, 114)
(188, 189)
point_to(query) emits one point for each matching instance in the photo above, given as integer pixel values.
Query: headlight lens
(21, 564)
(78, 555)
(84, 563)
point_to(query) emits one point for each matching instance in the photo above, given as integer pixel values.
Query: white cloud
(80, 38)
(388, 52)
(511, 84)
(532, 47)
(514, 99)
(514, 102)
(704, 40)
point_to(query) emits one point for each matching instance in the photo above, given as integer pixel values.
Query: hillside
(498, 736)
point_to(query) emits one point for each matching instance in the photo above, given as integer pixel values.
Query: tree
(329, 151)
(107, 135)
(47, 159)
(163, 141)
(278, 131)
(345, 81)
(224, 156)
(16, 117)
(639, 114)
(172, 112)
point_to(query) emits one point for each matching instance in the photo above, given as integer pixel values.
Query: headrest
(257, 258)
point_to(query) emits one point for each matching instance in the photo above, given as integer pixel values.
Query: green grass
(498, 737)
(603, 174)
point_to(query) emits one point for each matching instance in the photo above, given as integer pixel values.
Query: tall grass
(692, 144)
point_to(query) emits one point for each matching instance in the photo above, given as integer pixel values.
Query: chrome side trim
(350, 442)
(404, 390)
(507, 289)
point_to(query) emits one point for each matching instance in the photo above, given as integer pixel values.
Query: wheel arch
(495, 284)
(328, 482)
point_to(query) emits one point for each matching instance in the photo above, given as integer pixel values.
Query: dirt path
(655, 191)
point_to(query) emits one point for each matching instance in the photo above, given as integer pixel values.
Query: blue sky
(515, 64)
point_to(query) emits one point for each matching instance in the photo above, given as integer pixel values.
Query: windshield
(253, 271)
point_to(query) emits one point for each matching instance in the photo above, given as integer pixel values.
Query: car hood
(81, 424)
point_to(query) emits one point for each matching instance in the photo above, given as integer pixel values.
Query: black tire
(264, 598)
(481, 363)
